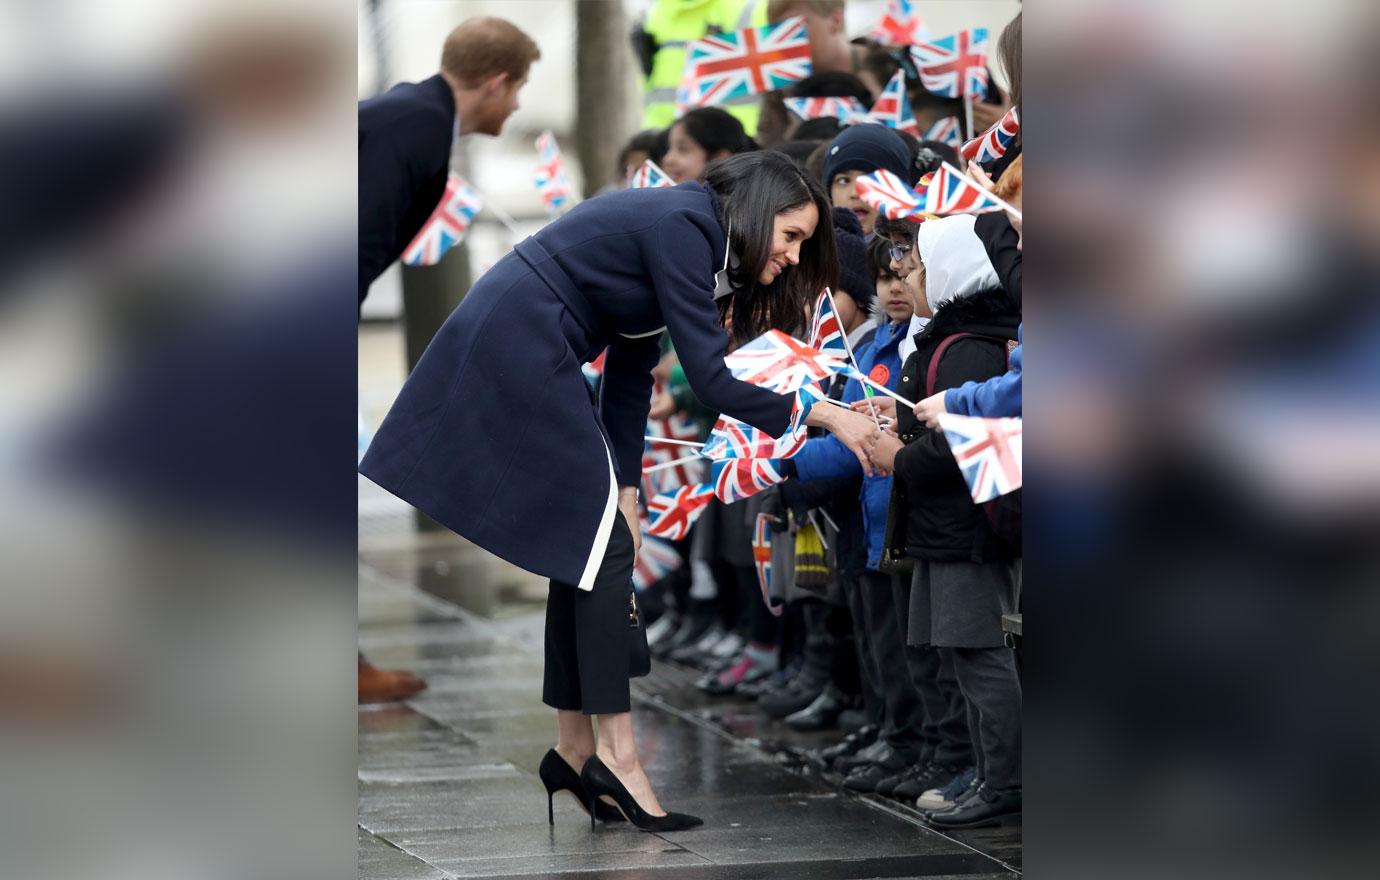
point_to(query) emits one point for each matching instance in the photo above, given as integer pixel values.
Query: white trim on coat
(601, 537)
(642, 335)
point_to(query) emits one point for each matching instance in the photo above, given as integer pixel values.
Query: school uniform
(962, 579)
(496, 434)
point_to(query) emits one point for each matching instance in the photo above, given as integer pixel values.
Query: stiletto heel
(557, 775)
(594, 802)
(599, 780)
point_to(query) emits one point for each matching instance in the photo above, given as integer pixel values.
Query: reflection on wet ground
(448, 784)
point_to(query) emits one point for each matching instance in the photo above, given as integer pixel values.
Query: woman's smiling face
(790, 229)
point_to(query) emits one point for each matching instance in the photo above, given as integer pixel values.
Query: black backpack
(1004, 511)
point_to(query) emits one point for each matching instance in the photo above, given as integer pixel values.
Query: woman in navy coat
(496, 435)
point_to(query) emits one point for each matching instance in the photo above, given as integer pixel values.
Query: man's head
(487, 59)
(824, 20)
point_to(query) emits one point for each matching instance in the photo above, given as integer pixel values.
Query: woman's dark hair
(750, 190)
(716, 129)
(661, 146)
(825, 128)
(879, 258)
(1009, 51)
(642, 142)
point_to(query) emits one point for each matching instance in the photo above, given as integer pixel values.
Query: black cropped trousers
(588, 636)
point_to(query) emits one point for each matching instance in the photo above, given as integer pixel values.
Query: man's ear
(836, 21)
(495, 84)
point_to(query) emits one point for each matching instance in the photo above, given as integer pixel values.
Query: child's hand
(980, 176)
(885, 407)
(927, 411)
(884, 453)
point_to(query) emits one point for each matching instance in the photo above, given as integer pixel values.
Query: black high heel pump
(557, 775)
(599, 780)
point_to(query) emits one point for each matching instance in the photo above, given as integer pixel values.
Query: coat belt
(549, 271)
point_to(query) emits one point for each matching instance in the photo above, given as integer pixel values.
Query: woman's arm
(680, 260)
(625, 396)
(681, 264)
(854, 430)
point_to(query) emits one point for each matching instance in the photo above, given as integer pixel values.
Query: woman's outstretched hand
(884, 406)
(856, 431)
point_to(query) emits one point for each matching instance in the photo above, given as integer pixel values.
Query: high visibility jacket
(673, 24)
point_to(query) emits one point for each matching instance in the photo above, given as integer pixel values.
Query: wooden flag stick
(882, 388)
(651, 439)
(968, 115)
(670, 464)
(503, 217)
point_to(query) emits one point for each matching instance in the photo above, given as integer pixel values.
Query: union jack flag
(656, 559)
(826, 333)
(671, 514)
(995, 141)
(731, 438)
(892, 108)
(947, 131)
(805, 399)
(739, 478)
(900, 26)
(447, 225)
(649, 176)
(689, 472)
(888, 194)
(781, 362)
(594, 370)
(954, 66)
(552, 184)
(722, 67)
(988, 452)
(950, 192)
(845, 110)
(761, 559)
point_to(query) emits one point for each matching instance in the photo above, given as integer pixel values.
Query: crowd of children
(889, 590)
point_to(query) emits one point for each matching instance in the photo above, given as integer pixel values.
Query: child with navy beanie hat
(857, 151)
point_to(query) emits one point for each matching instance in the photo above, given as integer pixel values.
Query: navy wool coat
(405, 136)
(495, 434)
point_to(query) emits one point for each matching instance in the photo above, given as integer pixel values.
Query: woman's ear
(719, 154)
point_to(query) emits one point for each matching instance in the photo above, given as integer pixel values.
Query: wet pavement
(448, 784)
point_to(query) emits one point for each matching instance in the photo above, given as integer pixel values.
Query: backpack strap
(932, 374)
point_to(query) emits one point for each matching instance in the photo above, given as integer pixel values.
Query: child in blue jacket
(917, 753)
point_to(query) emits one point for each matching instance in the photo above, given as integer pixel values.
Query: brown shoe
(386, 686)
